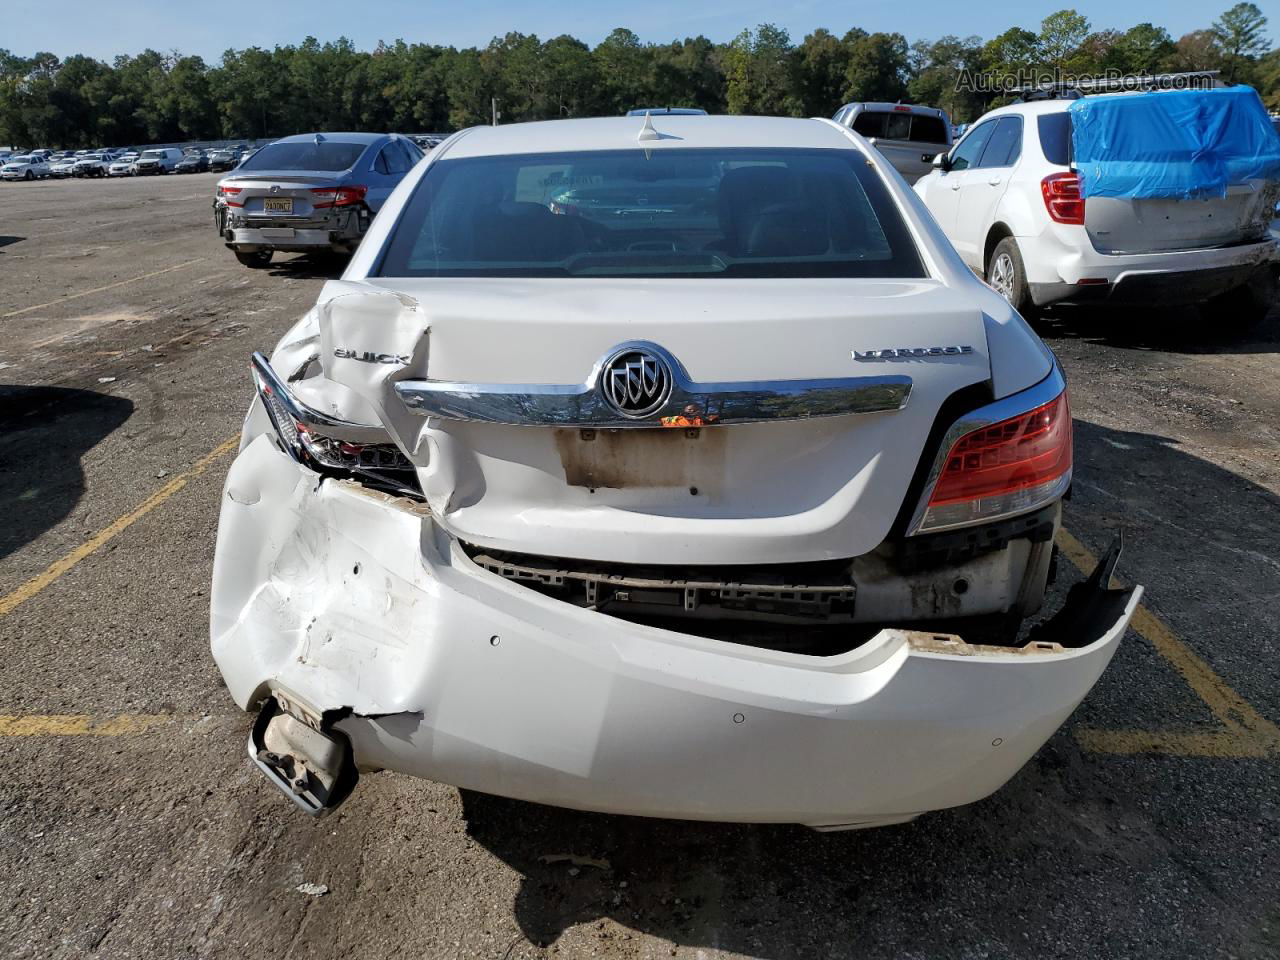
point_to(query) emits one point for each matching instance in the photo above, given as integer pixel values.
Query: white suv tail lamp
(1009, 467)
(1062, 198)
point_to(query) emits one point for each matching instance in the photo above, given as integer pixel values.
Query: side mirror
(942, 162)
(872, 140)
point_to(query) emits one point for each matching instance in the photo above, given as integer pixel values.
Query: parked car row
(39, 164)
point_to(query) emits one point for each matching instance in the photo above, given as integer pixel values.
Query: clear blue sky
(103, 28)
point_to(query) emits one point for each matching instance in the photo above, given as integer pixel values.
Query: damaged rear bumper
(362, 618)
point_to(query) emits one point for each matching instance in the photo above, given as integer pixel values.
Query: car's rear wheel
(1007, 276)
(258, 259)
(1244, 307)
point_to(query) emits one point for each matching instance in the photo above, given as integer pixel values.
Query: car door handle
(955, 184)
(996, 182)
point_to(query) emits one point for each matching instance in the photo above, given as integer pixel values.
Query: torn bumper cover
(354, 613)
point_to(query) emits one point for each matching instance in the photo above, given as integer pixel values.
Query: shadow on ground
(1171, 329)
(318, 266)
(6, 241)
(44, 431)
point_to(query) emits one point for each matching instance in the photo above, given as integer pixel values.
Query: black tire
(1007, 275)
(29, 176)
(1244, 307)
(258, 260)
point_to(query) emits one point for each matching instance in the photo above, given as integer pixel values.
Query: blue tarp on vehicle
(1176, 144)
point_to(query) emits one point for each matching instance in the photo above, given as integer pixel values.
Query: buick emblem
(636, 383)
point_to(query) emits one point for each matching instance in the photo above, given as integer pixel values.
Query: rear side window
(393, 160)
(686, 213)
(1055, 137)
(412, 151)
(869, 123)
(900, 125)
(1005, 145)
(324, 156)
(410, 154)
(897, 126)
(928, 129)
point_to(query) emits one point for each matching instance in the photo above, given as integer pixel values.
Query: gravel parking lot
(133, 825)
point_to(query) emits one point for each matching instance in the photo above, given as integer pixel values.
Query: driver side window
(967, 152)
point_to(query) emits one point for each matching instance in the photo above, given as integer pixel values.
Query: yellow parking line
(1221, 743)
(1246, 732)
(78, 724)
(56, 569)
(109, 286)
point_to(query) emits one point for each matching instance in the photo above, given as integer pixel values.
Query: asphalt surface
(132, 824)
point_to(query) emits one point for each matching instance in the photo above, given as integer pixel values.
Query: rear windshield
(327, 155)
(900, 125)
(1055, 137)
(671, 213)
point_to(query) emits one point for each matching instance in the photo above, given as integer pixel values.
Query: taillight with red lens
(325, 197)
(1062, 198)
(226, 192)
(1009, 467)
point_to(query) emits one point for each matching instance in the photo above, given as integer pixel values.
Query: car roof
(351, 137)
(1033, 108)
(673, 132)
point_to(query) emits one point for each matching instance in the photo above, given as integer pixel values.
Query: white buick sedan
(675, 467)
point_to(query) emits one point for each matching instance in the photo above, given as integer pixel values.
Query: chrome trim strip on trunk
(687, 403)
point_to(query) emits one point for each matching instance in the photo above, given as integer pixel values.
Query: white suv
(1009, 199)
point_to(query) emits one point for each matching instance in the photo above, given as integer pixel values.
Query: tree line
(158, 97)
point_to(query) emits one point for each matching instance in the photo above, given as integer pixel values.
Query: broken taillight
(308, 437)
(325, 197)
(1006, 468)
(1062, 198)
(226, 193)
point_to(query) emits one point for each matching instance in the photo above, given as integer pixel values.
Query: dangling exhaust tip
(313, 768)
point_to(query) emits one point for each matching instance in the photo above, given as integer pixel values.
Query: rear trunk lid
(766, 492)
(1156, 224)
(283, 195)
(1174, 170)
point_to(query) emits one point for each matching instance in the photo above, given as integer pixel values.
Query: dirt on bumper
(353, 610)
